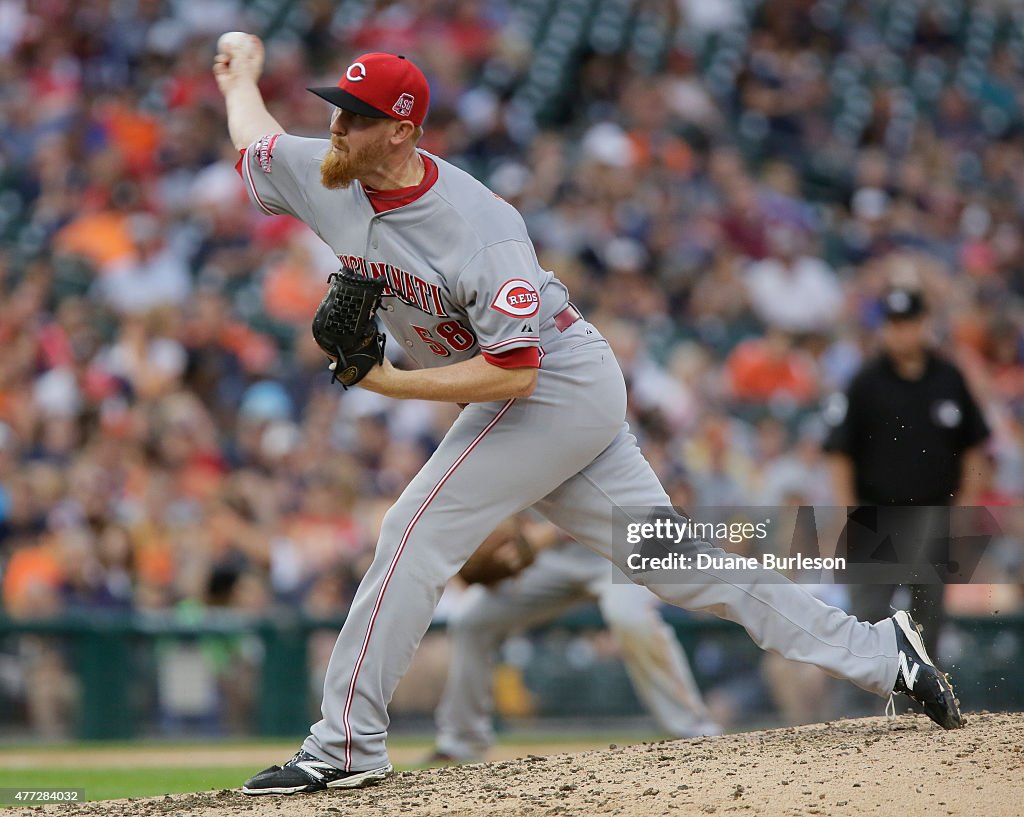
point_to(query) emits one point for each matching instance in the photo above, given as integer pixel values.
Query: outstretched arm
(469, 381)
(237, 72)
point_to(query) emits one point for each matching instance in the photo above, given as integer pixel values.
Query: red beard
(340, 168)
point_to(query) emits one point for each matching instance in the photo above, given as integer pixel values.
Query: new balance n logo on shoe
(918, 678)
(909, 675)
(307, 773)
(315, 768)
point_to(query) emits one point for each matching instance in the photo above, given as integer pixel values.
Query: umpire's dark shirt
(905, 437)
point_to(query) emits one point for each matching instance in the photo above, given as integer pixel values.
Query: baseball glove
(345, 325)
(503, 554)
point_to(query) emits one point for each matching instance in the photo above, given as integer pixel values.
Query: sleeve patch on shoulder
(517, 298)
(263, 150)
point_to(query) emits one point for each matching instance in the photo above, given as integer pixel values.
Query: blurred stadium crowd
(726, 188)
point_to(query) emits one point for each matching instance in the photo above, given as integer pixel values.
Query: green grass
(514, 737)
(109, 784)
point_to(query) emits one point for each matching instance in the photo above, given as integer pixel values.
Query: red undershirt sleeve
(525, 357)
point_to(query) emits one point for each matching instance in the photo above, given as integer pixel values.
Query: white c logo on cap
(356, 72)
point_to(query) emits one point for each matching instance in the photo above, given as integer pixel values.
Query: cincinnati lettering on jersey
(408, 288)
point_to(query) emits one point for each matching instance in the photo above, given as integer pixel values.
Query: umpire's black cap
(901, 304)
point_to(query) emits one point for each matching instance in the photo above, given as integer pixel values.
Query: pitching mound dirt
(872, 766)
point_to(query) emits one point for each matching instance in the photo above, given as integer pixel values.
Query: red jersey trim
(526, 357)
(493, 347)
(384, 200)
(244, 168)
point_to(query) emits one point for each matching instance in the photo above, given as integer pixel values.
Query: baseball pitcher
(543, 425)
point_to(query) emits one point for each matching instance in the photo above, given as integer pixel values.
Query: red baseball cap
(381, 85)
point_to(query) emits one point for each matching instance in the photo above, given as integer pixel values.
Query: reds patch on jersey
(517, 298)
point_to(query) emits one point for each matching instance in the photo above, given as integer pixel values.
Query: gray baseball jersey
(465, 280)
(462, 275)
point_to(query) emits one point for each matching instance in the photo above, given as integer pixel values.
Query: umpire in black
(908, 432)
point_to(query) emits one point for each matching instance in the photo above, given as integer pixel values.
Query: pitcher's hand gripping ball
(345, 325)
(238, 43)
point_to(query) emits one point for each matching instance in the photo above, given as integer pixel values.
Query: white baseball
(235, 43)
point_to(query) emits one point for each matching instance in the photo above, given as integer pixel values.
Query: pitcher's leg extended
(779, 616)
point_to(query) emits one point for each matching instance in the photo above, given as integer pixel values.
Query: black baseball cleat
(919, 679)
(304, 773)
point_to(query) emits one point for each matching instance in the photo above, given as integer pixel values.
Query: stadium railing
(102, 652)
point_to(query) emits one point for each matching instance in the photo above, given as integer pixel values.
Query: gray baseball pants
(565, 451)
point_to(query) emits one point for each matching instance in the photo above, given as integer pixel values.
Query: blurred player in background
(564, 574)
